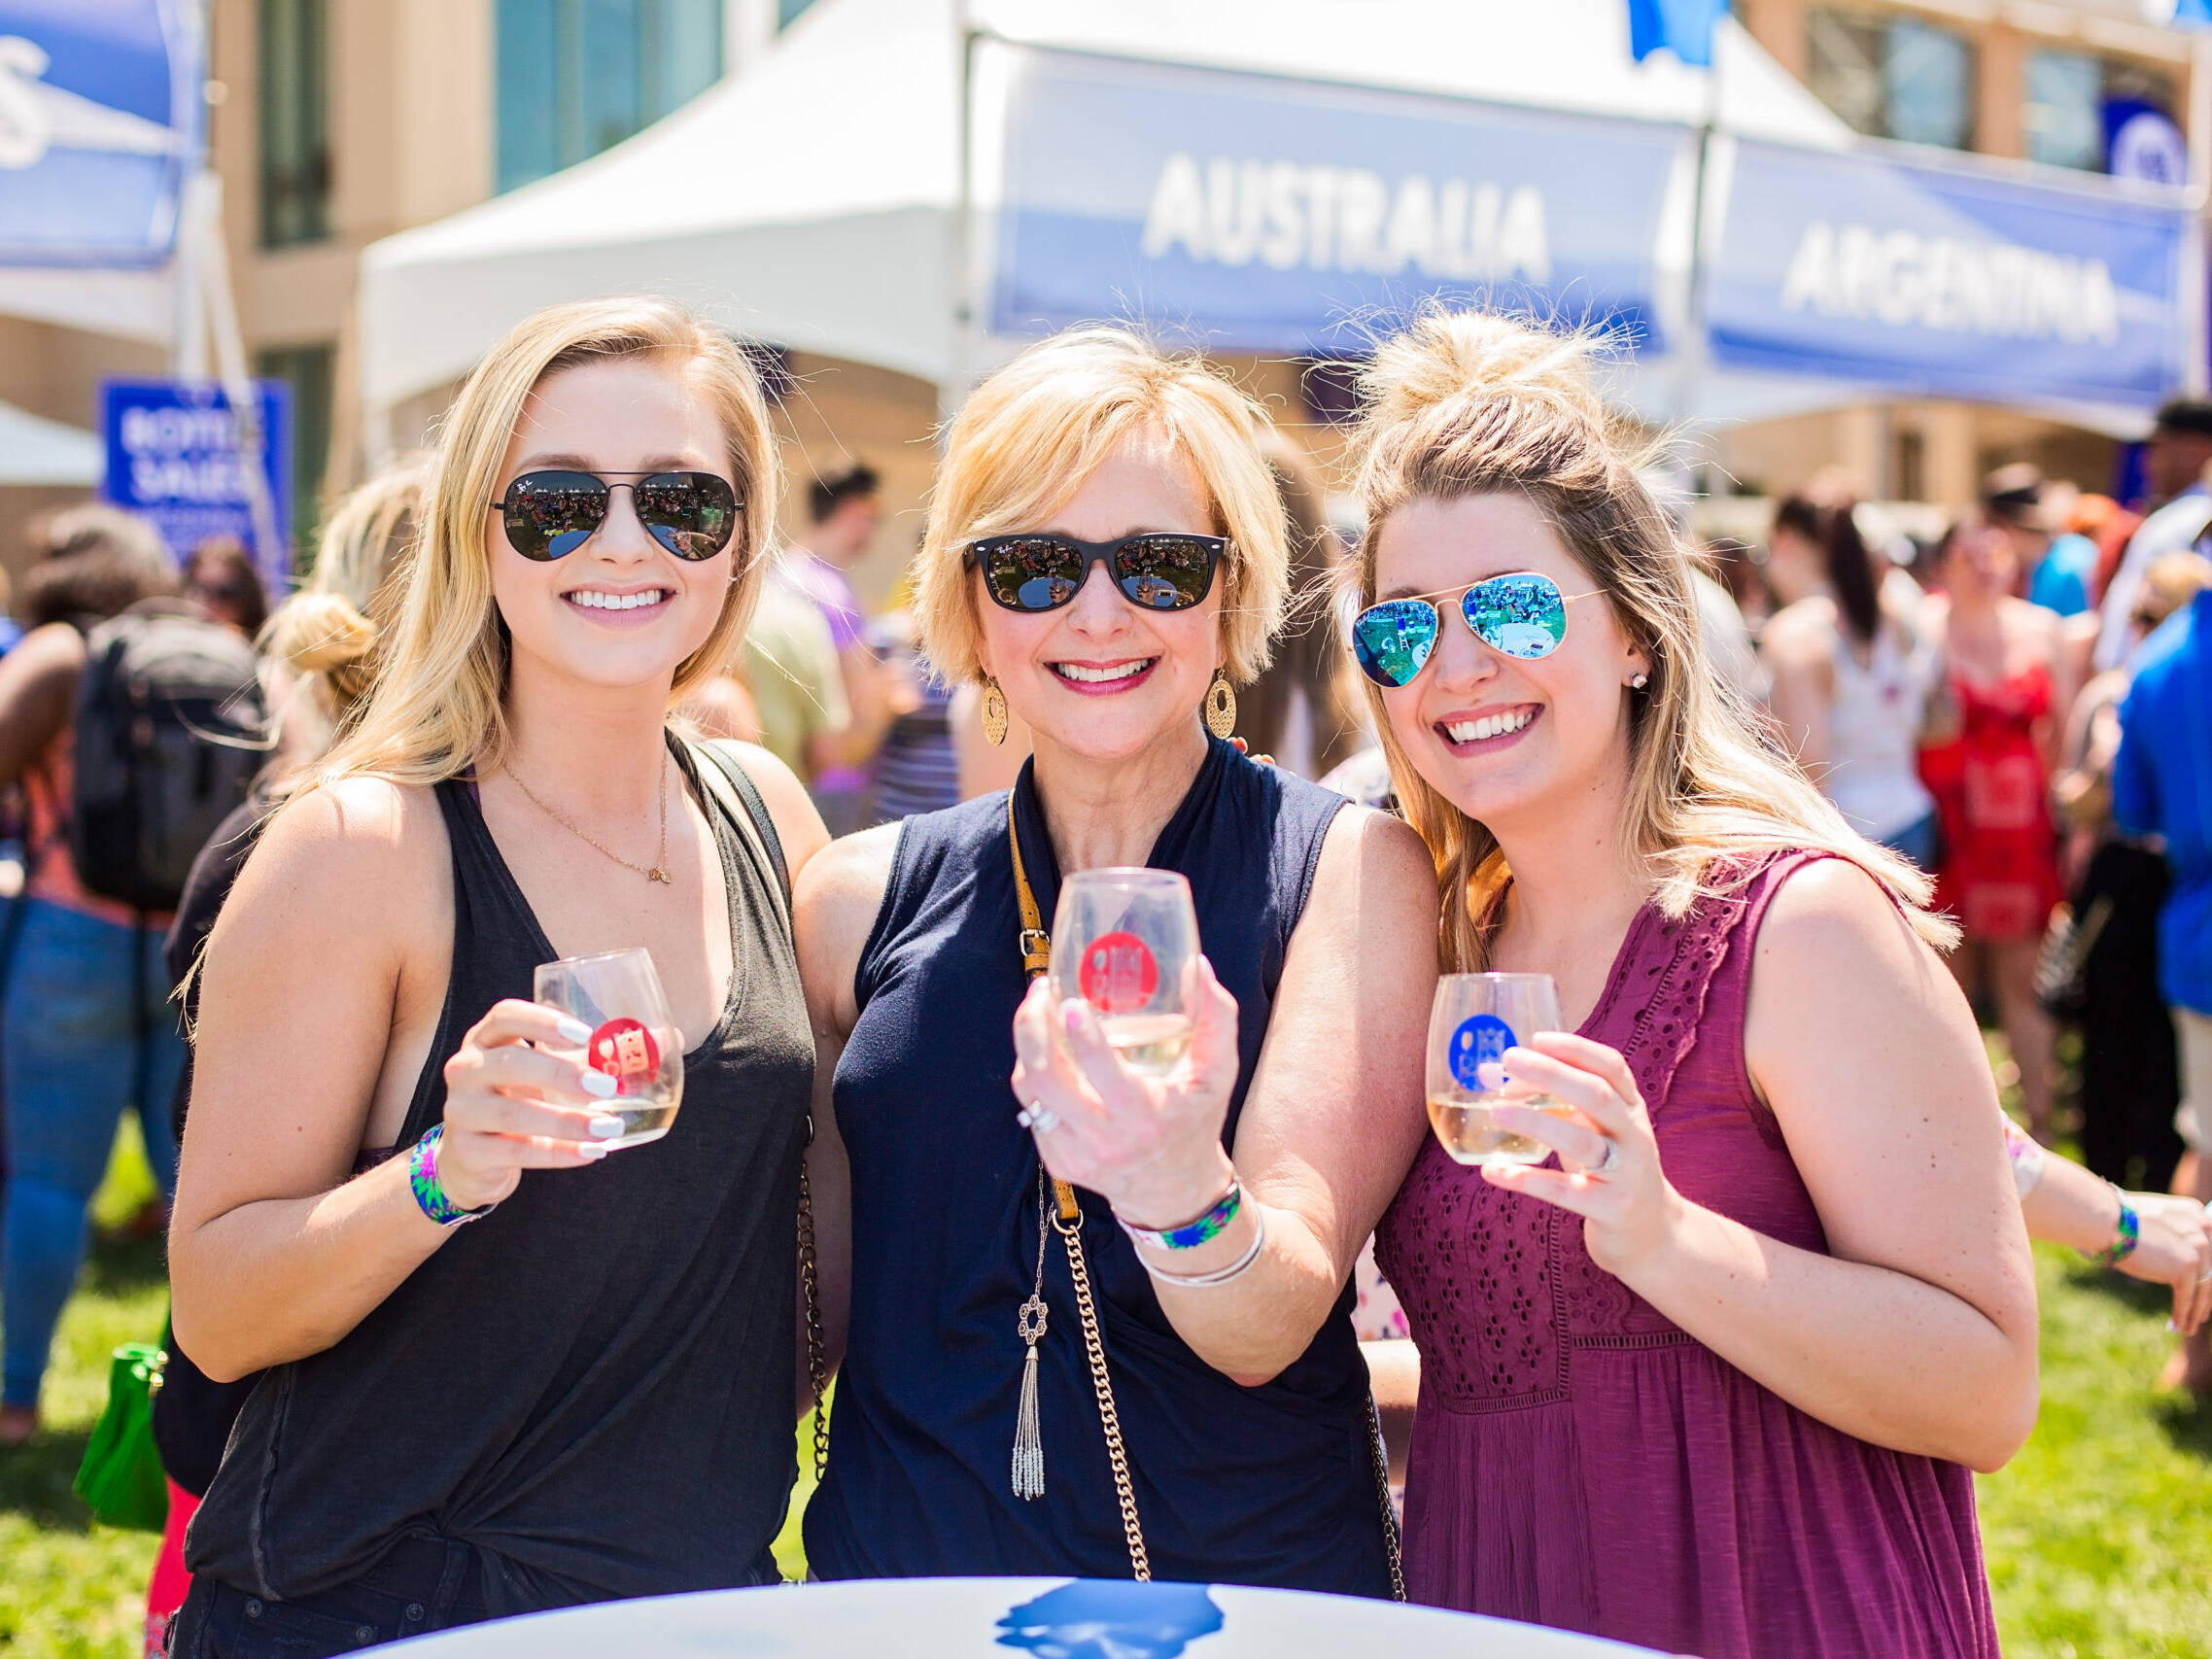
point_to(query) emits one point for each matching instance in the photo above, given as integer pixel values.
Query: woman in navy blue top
(1241, 1403)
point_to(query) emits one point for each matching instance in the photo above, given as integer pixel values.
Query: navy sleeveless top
(1271, 1485)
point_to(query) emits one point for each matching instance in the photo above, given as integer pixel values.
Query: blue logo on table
(1103, 1618)
(1479, 1042)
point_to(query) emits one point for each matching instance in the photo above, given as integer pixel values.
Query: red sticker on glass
(1118, 974)
(626, 1051)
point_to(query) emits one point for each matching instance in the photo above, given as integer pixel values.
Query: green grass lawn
(2099, 1533)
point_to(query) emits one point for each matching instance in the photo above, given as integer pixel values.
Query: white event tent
(838, 196)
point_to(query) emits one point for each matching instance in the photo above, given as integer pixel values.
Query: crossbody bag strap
(1036, 947)
(753, 812)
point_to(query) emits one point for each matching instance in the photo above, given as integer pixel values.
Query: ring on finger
(2205, 1277)
(1607, 1165)
(1038, 1117)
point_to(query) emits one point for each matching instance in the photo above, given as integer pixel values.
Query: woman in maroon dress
(1714, 1377)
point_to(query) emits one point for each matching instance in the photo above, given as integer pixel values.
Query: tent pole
(238, 383)
(1690, 382)
(960, 287)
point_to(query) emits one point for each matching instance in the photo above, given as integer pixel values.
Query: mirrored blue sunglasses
(1521, 616)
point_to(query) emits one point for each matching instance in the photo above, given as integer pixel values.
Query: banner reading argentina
(1259, 215)
(1950, 281)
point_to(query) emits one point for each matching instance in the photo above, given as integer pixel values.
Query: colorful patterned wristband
(421, 1177)
(2126, 1234)
(1190, 1234)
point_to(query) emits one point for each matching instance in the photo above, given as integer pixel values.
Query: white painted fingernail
(574, 1030)
(607, 1128)
(592, 1150)
(598, 1083)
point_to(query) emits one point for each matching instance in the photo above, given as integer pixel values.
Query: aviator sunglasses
(1522, 615)
(1157, 569)
(550, 514)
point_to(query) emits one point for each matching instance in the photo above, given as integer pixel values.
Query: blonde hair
(1031, 434)
(1465, 403)
(436, 707)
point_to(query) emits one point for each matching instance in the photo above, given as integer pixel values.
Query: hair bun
(324, 634)
(1465, 359)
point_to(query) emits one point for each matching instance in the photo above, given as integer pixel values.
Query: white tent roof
(34, 450)
(812, 201)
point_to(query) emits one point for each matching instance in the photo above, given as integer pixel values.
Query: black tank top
(593, 1385)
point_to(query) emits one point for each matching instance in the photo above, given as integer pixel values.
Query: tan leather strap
(1036, 960)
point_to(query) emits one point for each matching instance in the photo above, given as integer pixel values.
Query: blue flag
(1685, 27)
(2192, 14)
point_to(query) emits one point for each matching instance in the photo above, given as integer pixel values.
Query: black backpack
(170, 733)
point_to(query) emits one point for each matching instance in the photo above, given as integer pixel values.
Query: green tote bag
(120, 1478)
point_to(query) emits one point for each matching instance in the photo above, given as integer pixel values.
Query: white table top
(992, 1618)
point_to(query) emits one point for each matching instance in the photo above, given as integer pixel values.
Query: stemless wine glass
(634, 1040)
(1474, 1020)
(1122, 941)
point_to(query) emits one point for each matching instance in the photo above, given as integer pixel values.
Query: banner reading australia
(99, 118)
(1947, 283)
(1261, 216)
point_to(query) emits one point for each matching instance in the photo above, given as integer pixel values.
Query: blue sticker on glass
(1479, 1042)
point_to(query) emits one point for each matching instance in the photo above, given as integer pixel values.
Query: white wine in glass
(633, 1038)
(1474, 1020)
(1123, 940)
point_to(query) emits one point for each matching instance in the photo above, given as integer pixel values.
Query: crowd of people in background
(2010, 720)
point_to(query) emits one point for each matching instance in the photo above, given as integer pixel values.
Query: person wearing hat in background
(2179, 451)
(2032, 512)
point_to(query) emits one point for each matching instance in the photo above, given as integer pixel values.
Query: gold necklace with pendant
(659, 870)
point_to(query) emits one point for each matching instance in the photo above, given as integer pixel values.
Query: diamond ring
(1039, 1117)
(1610, 1161)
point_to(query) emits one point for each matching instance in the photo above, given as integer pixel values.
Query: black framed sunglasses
(1155, 569)
(550, 514)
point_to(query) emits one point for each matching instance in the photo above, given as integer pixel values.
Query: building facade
(336, 122)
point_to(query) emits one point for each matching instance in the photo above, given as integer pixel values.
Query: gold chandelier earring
(994, 713)
(1221, 705)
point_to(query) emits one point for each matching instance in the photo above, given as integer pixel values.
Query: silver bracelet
(1219, 1275)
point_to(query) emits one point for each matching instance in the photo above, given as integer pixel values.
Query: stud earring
(1638, 681)
(1221, 705)
(994, 713)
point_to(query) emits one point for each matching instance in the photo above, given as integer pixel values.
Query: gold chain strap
(1071, 1233)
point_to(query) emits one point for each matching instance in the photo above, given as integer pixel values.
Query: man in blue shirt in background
(2162, 785)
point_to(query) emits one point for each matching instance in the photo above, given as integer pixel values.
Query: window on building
(310, 372)
(2068, 95)
(1893, 77)
(296, 121)
(576, 76)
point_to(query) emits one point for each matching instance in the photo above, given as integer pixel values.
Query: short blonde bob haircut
(1032, 433)
(1465, 403)
(436, 707)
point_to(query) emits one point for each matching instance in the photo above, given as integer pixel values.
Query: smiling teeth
(592, 599)
(1489, 726)
(1099, 676)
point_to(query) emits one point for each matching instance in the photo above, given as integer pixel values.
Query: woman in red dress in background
(2006, 682)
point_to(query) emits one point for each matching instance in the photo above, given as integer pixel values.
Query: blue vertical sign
(173, 454)
(100, 106)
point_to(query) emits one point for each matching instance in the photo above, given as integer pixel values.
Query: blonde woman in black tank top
(586, 1395)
